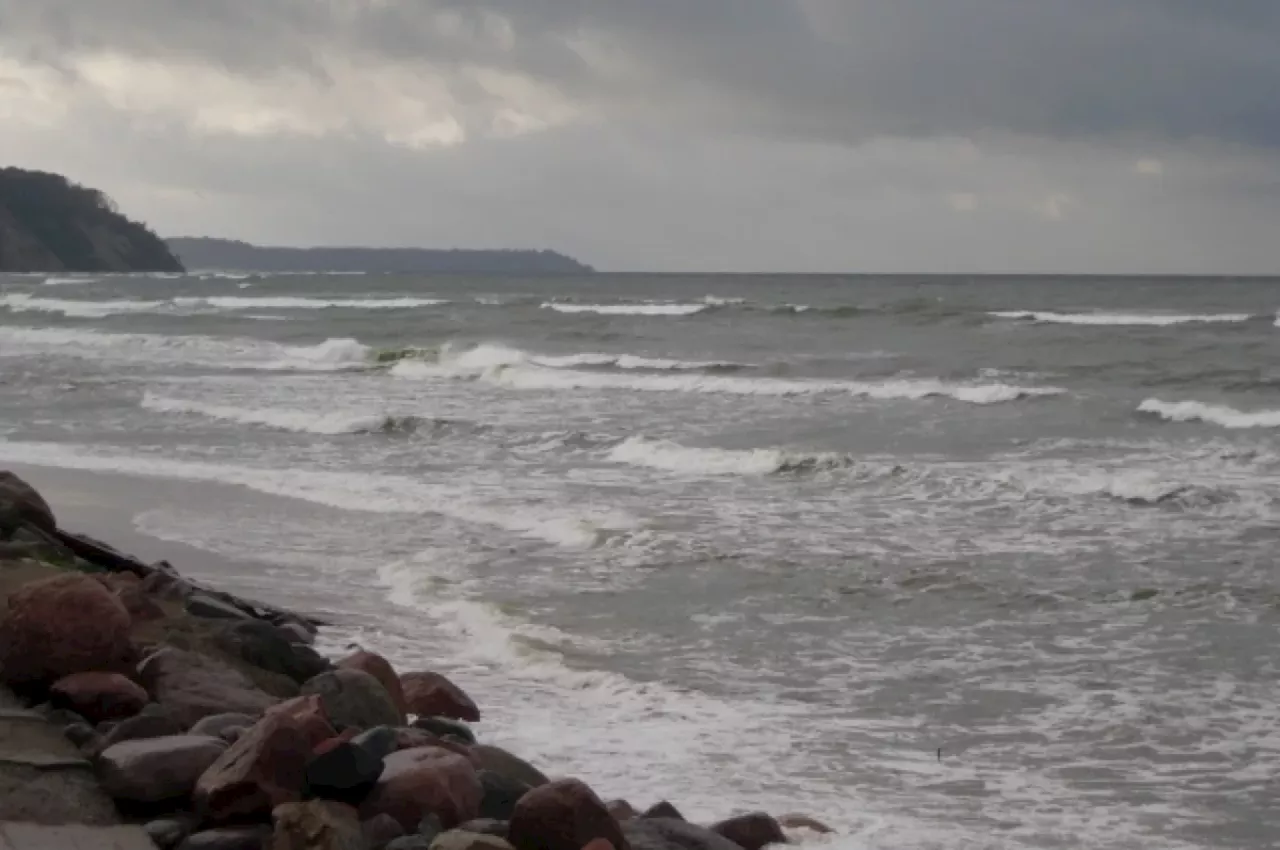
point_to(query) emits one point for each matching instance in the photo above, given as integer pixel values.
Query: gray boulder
(506, 764)
(487, 826)
(215, 724)
(20, 503)
(456, 839)
(443, 727)
(156, 769)
(266, 646)
(194, 686)
(168, 833)
(352, 698)
(380, 741)
(501, 793)
(141, 728)
(231, 838)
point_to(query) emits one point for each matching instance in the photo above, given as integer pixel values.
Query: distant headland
(50, 224)
(231, 255)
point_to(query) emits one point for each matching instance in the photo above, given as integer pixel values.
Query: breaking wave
(24, 303)
(673, 457)
(76, 308)
(628, 309)
(1133, 319)
(298, 421)
(1214, 414)
(479, 358)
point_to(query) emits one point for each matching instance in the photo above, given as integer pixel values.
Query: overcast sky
(752, 135)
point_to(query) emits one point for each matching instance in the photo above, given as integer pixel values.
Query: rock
(487, 826)
(79, 734)
(663, 810)
(233, 733)
(169, 832)
(430, 826)
(504, 763)
(665, 834)
(424, 781)
(144, 727)
(598, 844)
(297, 633)
(501, 793)
(751, 831)
(141, 606)
(336, 741)
(265, 646)
(264, 769)
(380, 741)
(231, 838)
(442, 726)
(795, 821)
(21, 503)
(216, 724)
(381, 830)
(410, 842)
(307, 712)
(380, 669)
(346, 773)
(353, 698)
(458, 840)
(563, 815)
(203, 605)
(154, 770)
(98, 696)
(195, 686)
(317, 825)
(621, 810)
(165, 586)
(433, 695)
(61, 716)
(63, 625)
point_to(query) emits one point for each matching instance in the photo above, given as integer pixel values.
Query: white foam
(673, 457)
(24, 303)
(1136, 319)
(232, 302)
(300, 421)
(478, 360)
(628, 309)
(69, 281)
(1215, 414)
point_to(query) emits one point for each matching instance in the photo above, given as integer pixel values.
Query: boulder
(141, 606)
(144, 727)
(381, 830)
(264, 769)
(297, 633)
(430, 826)
(216, 724)
(211, 608)
(665, 834)
(81, 734)
(195, 686)
(307, 712)
(563, 815)
(796, 821)
(621, 810)
(433, 695)
(456, 839)
(511, 766)
(380, 741)
(98, 697)
(230, 838)
(487, 826)
(663, 810)
(410, 842)
(353, 698)
(154, 770)
(346, 773)
(317, 825)
(233, 733)
(751, 831)
(599, 844)
(412, 739)
(380, 669)
(63, 625)
(444, 726)
(265, 646)
(21, 503)
(168, 833)
(500, 795)
(426, 781)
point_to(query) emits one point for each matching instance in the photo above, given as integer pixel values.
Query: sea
(945, 562)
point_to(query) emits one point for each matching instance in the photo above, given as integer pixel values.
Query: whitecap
(1135, 319)
(1215, 414)
(628, 309)
(673, 457)
(300, 421)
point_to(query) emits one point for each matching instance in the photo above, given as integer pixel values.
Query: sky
(952, 136)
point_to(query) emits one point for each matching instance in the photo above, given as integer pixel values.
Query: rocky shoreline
(211, 721)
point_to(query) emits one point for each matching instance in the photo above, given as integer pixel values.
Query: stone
(21, 503)
(456, 839)
(425, 781)
(430, 826)
(410, 842)
(264, 769)
(98, 696)
(487, 826)
(307, 712)
(165, 586)
(141, 606)
(346, 773)
(233, 733)
(63, 625)
(500, 795)
(751, 831)
(504, 763)
(667, 834)
(336, 741)
(168, 833)
(381, 741)
(265, 646)
(380, 669)
(216, 724)
(143, 727)
(598, 844)
(317, 825)
(229, 838)
(381, 830)
(195, 686)
(433, 695)
(442, 726)
(353, 698)
(797, 821)
(621, 810)
(563, 815)
(61, 716)
(297, 633)
(154, 770)
(79, 734)
(663, 810)
(210, 608)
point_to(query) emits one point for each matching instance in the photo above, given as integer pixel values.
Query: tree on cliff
(48, 223)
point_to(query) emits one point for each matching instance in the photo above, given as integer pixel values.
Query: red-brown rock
(433, 695)
(621, 810)
(194, 686)
(380, 669)
(412, 739)
(63, 625)
(598, 844)
(308, 713)
(563, 815)
(98, 696)
(264, 769)
(423, 781)
(752, 831)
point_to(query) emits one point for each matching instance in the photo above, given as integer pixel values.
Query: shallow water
(743, 541)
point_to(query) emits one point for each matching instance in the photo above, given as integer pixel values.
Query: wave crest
(1214, 414)
(673, 457)
(1132, 319)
